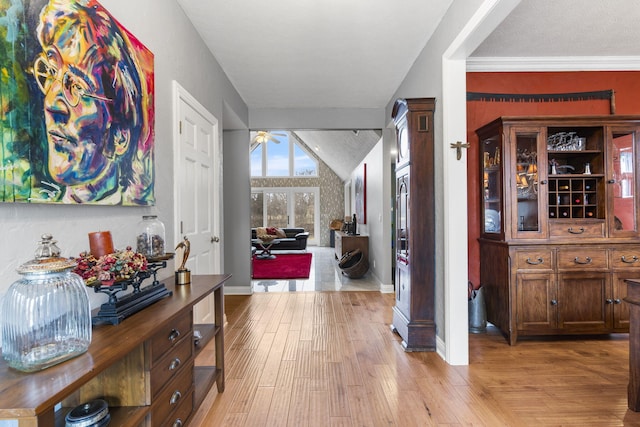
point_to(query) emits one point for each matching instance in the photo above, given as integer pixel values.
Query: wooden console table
(345, 242)
(147, 368)
(633, 298)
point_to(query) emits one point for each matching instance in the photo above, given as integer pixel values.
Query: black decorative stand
(117, 309)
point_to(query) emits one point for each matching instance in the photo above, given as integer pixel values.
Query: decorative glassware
(46, 315)
(151, 237)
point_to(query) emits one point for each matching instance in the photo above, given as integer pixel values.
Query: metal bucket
(477, 312)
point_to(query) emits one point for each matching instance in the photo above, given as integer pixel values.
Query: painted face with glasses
(91, 111)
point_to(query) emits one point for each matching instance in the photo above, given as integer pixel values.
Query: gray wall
(180, 55)
(237, 191)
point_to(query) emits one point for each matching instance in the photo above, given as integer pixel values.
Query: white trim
(571, 63)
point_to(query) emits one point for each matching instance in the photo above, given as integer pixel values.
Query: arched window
(280, 154)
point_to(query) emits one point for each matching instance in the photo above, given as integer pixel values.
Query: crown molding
(553, 63)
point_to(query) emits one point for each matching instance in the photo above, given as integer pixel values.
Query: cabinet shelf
(120, 415)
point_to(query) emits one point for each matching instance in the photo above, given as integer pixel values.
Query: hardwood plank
(330, 359)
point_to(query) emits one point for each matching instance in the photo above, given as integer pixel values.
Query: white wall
(378, 224)
(179, 54)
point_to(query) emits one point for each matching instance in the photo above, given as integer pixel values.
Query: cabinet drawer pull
(617, 301)
(538, 261)
(174, 335)
(175, 397)
(609, 301)
(579, 231)
(587, 260)
(177, 423)
(174, 364)
(629, 261)
(554, 302)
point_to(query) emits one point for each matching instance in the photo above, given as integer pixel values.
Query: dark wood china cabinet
(560, 230)
(413, 313)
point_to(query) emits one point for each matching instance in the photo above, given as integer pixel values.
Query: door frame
(181, 94)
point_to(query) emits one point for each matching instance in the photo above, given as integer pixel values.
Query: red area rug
(285, 266)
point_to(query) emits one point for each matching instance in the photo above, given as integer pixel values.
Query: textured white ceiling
(566, 28)
(341, 150)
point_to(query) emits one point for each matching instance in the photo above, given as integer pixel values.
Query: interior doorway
(197, 189)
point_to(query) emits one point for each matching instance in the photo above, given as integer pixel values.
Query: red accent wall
(626, 85)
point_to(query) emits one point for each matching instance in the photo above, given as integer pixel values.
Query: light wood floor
(330, 359)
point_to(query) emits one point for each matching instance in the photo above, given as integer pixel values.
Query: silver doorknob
(215, 239)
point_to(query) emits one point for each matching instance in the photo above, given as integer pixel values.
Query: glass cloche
(46, 315)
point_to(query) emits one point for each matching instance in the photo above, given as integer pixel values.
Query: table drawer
(534, 259)
(170, 335)
(182, 413)
(626, 257)
(170, 398)
(582, 258)
(576, 230)
(167, 367)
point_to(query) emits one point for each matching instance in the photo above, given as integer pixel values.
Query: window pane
(303, 165)
(278, 157)
(304, 212)
(276, 209)
(257, 217)
(256, 161)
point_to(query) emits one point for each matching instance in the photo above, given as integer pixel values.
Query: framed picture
(361, 194)
(80, 124)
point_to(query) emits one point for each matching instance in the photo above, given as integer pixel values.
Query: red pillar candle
(100, 243)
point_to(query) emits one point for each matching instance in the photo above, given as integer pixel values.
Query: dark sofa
(296, 240)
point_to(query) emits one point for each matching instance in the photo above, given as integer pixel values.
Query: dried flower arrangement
(110, 268)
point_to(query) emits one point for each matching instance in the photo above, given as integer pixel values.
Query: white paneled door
(198, 190)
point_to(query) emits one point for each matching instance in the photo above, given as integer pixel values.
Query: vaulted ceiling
(332, 54)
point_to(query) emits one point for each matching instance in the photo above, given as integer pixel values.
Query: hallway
(325, 275)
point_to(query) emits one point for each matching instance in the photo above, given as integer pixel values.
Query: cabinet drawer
(180, 416)
(170, 364)
(582, 258)
(177, 391)
(170, 335)
(576, 230)
(626, 257)
(534, 259)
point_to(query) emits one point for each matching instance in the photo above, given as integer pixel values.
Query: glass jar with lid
(46, 315)
(150, 240)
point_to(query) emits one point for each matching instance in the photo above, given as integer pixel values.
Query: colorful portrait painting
(76, 106)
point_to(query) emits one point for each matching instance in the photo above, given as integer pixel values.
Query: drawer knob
(174, 335)
(538, 261)
(175, 397)
(174, 364)
(629, 261)
(587, 260)
(177, 423)
(609, 301)
(578, 231)
(617, 301)
(554, 302)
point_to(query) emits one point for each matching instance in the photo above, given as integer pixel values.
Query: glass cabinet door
(402, 219)
(527, 218)
(491, 186)
(622, 184)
